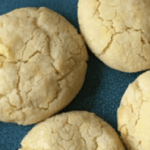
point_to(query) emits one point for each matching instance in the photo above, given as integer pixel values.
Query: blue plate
(103, 87)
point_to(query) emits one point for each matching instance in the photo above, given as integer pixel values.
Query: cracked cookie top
(42, 64)
(134, 114)
(76, 130)
(118, 32)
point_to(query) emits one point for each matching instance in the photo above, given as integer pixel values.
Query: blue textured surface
(103, 87)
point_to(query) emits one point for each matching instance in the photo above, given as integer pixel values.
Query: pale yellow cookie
(42, 64)
(134, 114)
(117, 32)
(76, 130)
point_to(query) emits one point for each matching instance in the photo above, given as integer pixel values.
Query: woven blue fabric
(103, 87)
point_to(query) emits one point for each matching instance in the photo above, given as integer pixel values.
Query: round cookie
(77, 130)
(117, 32)
(42, 64)
(134, 114)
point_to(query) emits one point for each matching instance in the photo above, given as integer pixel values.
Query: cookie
(42, 64)
(134, 114)
(76, 130)
(117, 32)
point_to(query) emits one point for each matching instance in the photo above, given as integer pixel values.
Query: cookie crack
(18, 85)
(96, 143)
(49, 52)
(138, 86)
(97, 11)
(108, 46)
(35, 53)
(62, 77)
(13, 106)
(3, 56)
(82, 136)
(143, 57)
(94, 139)
(28, 42)
(78, 130)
